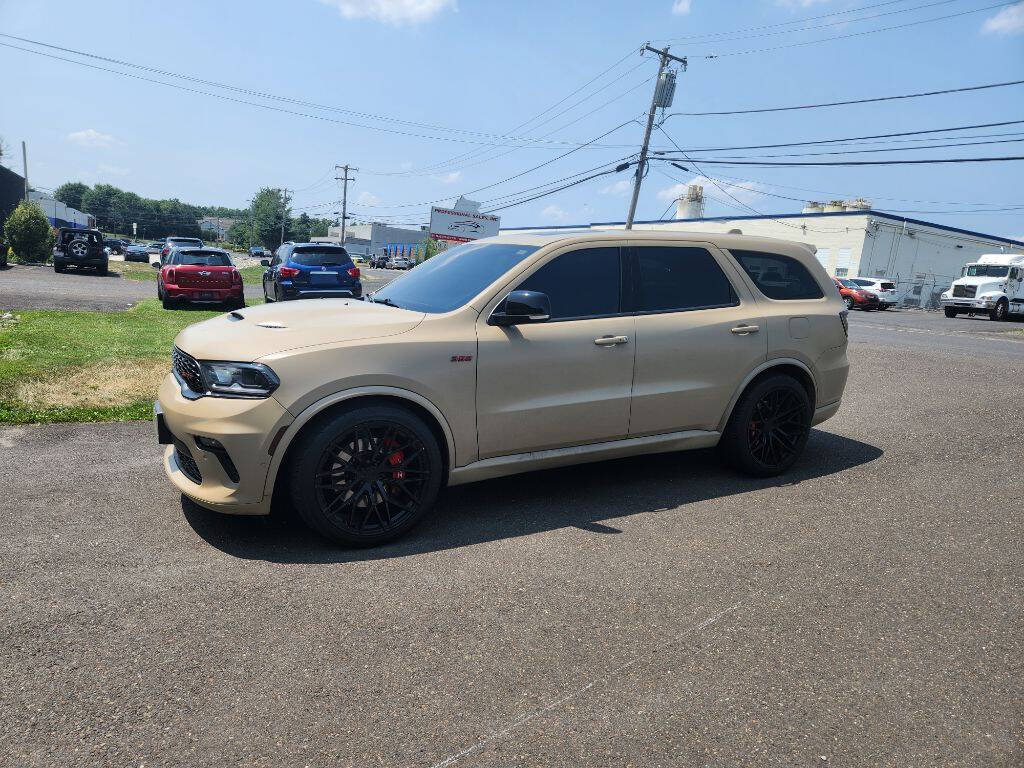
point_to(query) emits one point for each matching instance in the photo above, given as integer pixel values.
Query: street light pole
(641, 165)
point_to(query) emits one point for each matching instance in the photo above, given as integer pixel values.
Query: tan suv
(505, 355)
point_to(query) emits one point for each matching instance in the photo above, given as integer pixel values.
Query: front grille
(964, 291)
(188, 369)
(187, 463)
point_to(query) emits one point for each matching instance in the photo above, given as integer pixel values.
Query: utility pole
(24, 163)
(344, 179)
(284, 212)
(662, 97)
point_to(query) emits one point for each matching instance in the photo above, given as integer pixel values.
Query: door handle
(743, 329)
(611, 341)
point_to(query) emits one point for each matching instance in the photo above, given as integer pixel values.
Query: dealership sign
(461, 226)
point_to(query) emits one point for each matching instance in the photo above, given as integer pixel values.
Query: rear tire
(365, 475)
(58, 267)
(103, 271)
(950, 312)
(1000, 310)
(168, 302)
(768, 428)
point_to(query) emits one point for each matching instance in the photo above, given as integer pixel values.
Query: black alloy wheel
(775, 429)
(366, 476)
(769, 427)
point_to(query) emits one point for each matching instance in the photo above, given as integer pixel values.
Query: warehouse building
(377, 239)
(853, 240)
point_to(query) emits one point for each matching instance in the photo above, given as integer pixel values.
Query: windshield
(453, 277)
(319, 257)
(987, 270)
(201, 259)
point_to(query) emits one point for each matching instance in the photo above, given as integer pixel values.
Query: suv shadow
(520, 505)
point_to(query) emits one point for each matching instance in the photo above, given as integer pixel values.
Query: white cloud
(112, 170)
(367, 198)
(681, 7)
(620, 188)
(554, 213)
(391, 11)
(90, 138)
(449, 178)
(1009, 21)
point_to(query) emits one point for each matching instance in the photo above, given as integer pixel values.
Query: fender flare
(775, 362)
(314, 409)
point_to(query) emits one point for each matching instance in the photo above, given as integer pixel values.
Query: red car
(854, 295)
(201, 276)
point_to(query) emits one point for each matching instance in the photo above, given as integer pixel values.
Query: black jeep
(79, 248)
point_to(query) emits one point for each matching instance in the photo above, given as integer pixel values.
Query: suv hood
(254, 332)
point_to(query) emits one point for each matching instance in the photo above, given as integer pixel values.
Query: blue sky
(487, 67)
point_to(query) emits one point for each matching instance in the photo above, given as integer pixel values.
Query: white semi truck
(993, 284)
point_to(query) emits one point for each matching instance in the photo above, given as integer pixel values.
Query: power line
(930, 161)
(784, 23)
(462, 159)
(866, 151)
(846, 103)
(730, 37)
(859, 138)
(855, 34)
(834, 194)
(272, 108)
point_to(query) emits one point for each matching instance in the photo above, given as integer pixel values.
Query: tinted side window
(678, 278)
(778, 276)
(580, 283)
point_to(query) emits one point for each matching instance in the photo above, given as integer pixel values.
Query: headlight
(239, 379)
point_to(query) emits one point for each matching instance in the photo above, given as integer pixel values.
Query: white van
(994, 284)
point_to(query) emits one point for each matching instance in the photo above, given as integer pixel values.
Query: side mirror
(155, 264)
(265, 262)
(522, 307)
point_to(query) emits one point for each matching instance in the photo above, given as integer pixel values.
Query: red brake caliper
(394, 460)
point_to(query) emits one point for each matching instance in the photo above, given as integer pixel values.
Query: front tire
(1000, 310)
(366, 475)
(849, 303)
(950, 312)
(768, 428)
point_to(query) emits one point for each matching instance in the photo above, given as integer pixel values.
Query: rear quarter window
(778, 277)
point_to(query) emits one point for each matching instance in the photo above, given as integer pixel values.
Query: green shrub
(28, 232)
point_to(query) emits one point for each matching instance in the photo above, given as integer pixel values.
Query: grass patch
(86, 366)
(135, 270)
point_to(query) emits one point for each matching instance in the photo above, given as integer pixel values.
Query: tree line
(117, 209)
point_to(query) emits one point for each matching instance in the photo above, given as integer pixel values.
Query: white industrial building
(852, 240)
(376, 239)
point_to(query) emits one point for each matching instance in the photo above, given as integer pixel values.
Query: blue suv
(310, 270)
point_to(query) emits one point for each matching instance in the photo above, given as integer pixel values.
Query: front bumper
(244, 427)
(967, 304)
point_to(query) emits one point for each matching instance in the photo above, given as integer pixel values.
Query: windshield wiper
(385, 302)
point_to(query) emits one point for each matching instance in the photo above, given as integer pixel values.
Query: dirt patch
(97, 385)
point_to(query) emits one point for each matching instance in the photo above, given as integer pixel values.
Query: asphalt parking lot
(39, 287)
(658, 611)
